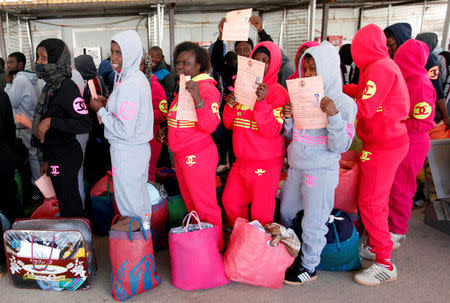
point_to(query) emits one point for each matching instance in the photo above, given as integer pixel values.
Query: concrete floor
(423, 264)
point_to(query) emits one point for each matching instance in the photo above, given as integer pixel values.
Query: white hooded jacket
(128, 116)
(321, 148)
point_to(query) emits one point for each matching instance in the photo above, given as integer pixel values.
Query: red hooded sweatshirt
(308, 45)
(189, 137)
(412, 57)
(382, 97)
(159, 102)
(256, 134)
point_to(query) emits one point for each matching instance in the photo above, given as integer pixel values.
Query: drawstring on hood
(275, 61)
(369, 45)
(411, 57)
(131, 47)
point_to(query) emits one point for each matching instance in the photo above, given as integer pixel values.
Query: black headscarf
(86, 66)
(261, 49)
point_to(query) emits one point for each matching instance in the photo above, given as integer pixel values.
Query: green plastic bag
(177, 210)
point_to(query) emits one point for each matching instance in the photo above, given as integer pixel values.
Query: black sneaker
(299, 275)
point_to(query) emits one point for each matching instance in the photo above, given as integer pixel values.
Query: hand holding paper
(249, 76)
(237, 25)
(186, 106)
(306, 95)
(45, 185)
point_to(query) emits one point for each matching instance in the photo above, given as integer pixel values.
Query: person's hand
(447, 123)
(221, 28)
(161, 136)
(9, 77)
(192, 88)
(287, 111)
(42, 129)
(261, 92)
(256, 21)
(97, 103)
(328, 107)
(231, 100)
(44, 168)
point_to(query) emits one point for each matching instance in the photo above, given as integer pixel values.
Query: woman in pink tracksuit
(411, 57)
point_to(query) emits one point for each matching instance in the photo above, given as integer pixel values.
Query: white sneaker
(397, 240)
(365, 253)
(375, 275)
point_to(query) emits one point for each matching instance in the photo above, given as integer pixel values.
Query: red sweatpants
(196, 176)
(254, 185)
(405, 185)
(155, 151)
(378, 168)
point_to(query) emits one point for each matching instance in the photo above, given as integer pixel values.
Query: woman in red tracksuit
(159, 102)
(195, 153)
(254, 178)
(383, 105)
(411, 57)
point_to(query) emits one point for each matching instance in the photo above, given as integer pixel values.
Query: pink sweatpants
(196, 176)
(251, 184)
(155, 148)
(404, 187)
(378, 168)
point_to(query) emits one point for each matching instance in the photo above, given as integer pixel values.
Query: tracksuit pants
(405, 185)
(196, 174)
(253, 185)
(64, 163)
(34, 159)
(155, 147)
(313, 191)
(129, 165)
(378, 169)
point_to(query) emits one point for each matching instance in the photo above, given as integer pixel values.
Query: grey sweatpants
(82, 139)
(35, 158)
(129, 164)
(313, 191)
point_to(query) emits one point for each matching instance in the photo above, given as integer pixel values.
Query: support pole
(172, 33)
(325, 8)
(30, 41)
(283, 24)
(424, 8)
(8, 46)
(446, 33)
(312, 19)
(3, 53)
(389, 14)
(19, 32)
(149, 32)
(360, 18)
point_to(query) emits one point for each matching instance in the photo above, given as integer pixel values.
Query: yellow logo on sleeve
(365, 155)
(422, 110)
(190, 160)
(433, 73)
(278, 113)
(163, 106)
(215, 109)
(369, 90)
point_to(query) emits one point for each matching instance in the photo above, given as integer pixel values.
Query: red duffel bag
(346, 194)
(103, 185)
(48, 209)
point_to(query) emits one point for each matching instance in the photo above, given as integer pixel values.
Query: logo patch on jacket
(260, 171)
(79, 106)
(278, 113)
(310, 180)
(215, 109)
(422, 110)
(369, 90)
(433, 73)
(163, 106)
(127, 110)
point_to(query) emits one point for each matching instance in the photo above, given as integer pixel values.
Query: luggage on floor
(251, 258)
(102, 204)
(159, 223)
(341, 253)
(194, 255)
(50, 254)
(177, 210)
(132, 259)
(48, 209)
(346, 193)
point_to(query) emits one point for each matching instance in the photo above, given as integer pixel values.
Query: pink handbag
(194, 255)
(251, 259)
